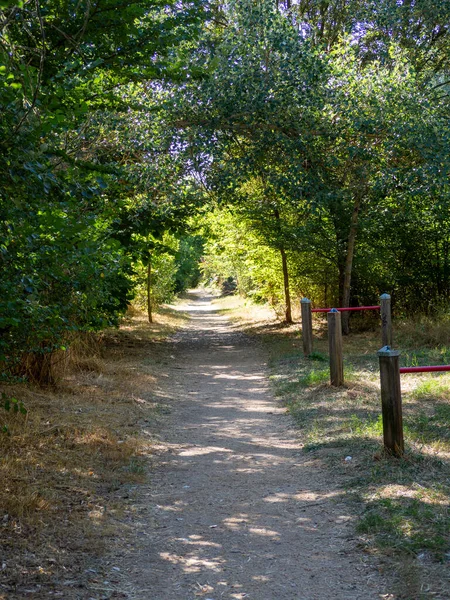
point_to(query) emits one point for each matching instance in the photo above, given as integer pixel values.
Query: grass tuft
(425, 331)
(319, 356)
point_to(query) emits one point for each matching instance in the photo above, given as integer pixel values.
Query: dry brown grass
(254, 318)
(67, 463)
(424, 331)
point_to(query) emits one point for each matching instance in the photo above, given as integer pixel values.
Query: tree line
(300, 148)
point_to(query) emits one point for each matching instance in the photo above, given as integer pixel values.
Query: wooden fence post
(306, 326)
(335, 347)
(391, 401)
(386, 320)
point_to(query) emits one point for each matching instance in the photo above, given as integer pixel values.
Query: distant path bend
(234, 509)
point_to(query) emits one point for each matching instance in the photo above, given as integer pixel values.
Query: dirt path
(234, 509)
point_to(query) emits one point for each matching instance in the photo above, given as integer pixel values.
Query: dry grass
(244, 311)
(255, 319)
(403, 505)
(424, 331)
(69, 462)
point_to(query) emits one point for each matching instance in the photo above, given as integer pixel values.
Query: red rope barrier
(424, 369)
(325, 310)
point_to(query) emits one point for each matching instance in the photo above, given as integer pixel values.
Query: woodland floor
(234, 509)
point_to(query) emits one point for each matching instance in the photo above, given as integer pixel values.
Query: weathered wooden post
(386, 320)
(335, 348)
(306, 326)
(391, 401)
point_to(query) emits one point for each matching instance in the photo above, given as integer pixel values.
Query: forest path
(234, 508)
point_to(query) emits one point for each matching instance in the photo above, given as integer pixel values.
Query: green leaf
(10, 3)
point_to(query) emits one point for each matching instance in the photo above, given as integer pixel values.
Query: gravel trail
(234, 509)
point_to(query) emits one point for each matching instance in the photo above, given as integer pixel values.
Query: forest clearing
(224, 259)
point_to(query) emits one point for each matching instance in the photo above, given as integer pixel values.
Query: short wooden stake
(391, 401)
(386, 320)
(306, 326)
(335, 348)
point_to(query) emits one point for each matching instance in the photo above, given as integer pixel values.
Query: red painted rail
(325, 310)
(432, 369)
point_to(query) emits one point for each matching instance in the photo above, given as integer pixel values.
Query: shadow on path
(235, 509)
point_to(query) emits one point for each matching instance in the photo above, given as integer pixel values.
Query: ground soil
(233, 508)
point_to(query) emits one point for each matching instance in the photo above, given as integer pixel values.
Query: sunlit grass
(432, 388)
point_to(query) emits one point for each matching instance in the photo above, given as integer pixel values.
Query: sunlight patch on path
(239, 511)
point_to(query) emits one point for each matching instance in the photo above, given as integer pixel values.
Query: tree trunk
(445, 274)
(287, 294)
(349, 264)
(341, 279)
(149, 291)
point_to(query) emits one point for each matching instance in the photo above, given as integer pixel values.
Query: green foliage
(76, 149)
(319, 356)
(12, 405)
(234, 250)
(161, 256)
(187, 259)
(336, 158)
(60, 275)
(322, 127)
(315, 377)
